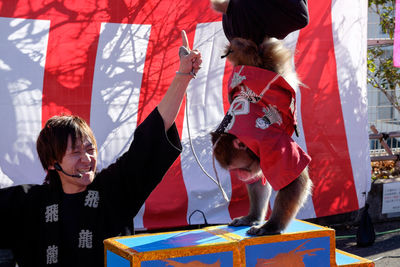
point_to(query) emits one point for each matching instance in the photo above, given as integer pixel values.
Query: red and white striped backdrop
(112, 63)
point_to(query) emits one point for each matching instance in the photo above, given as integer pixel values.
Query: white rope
(216, 181)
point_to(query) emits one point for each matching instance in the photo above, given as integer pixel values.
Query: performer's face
(79, 159)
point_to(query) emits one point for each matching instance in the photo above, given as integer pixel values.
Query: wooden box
(302, 244)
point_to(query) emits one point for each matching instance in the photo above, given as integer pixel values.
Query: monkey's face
(235, 156)
(244, 166)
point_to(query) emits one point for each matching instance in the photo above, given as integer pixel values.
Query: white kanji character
(92, 199)
(52, 254)
(85, 239)
(51, 213)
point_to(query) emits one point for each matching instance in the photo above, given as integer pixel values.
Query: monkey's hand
(267, 228)
(245, 221)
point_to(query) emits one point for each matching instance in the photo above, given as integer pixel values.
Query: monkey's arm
(259, 196)
(287, 203)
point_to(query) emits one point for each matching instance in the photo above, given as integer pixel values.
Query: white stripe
(205, 113)
(23, 53)
(350, 39)
(116, 87)
(117, 80)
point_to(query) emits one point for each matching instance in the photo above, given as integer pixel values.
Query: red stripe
(170, 196)
(68, 78)
(334, 189)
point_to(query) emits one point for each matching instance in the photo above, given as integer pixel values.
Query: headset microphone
(58, 168)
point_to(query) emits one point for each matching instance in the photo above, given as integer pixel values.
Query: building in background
(381, 112)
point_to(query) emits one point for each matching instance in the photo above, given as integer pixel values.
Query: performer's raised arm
(190, 61)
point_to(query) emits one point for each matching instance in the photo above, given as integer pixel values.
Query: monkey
(253, 141)
(258, 126)
(220, 5)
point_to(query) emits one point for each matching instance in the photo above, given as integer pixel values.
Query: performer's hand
(190, 60)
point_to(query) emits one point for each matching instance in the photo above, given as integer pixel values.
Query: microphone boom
(58, 168)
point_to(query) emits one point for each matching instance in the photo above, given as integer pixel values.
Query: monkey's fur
(220, 5)
(273, 56)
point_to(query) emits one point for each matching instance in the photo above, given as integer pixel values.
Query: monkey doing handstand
(254, 139)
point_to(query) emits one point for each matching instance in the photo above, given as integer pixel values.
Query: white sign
(391, 198)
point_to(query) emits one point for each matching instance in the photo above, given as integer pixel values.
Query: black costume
(33, 217)
(257, 19)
